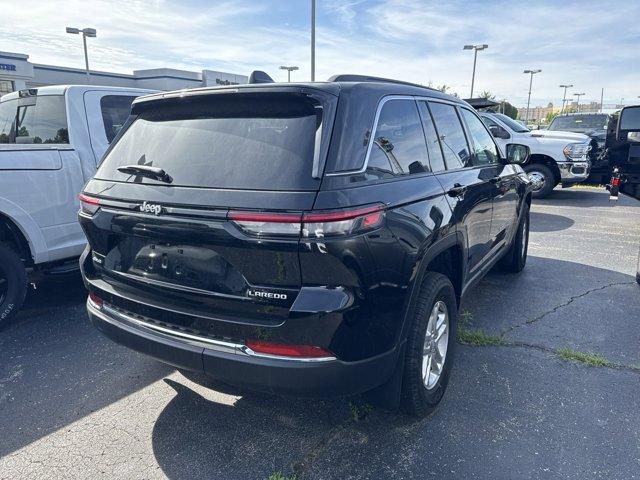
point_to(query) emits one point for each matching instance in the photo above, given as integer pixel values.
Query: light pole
(578, 100)
(86, 32)
(290, 69)
(475, 49)
(564, 97)
(313, 40)
(532, 73)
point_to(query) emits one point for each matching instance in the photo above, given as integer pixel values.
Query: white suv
(556, 157)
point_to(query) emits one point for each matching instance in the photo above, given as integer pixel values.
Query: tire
(13, 284)
(418, 397)
(545, 175)
(516, 257)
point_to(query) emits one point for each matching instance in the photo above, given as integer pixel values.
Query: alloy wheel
(537, 179)
(436, 341)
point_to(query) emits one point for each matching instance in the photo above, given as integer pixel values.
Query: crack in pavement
(562, 305)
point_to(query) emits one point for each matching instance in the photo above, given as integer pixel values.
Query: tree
(488, 95)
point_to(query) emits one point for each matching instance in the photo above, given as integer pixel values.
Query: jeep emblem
(151, 208)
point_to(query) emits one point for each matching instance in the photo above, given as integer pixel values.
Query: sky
(590, 44)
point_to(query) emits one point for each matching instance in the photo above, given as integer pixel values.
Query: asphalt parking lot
(75, 405)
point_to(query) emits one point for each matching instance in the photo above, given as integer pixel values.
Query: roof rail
(348, 77)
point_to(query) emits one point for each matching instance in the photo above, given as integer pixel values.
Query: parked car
(51, 139)
(556, 157)
(309, 239)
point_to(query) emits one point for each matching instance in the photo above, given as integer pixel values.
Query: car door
(485, 155)
(469, 188)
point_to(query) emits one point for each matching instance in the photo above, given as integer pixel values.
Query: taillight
(342, 222)
(95, 301)
(615, 182)
(88, 205)
(285, 350)
(311, 224)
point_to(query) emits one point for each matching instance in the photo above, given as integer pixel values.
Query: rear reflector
(284, 350)
(96, 301)
(88, 205)
(311, 224)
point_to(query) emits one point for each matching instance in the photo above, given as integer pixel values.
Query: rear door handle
(457, 190)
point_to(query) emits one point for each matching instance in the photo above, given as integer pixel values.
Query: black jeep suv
(305, 239)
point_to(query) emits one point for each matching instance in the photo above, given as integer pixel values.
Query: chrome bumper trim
(115, 317)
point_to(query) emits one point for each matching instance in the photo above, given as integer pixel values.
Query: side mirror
(628, 122)
(517, 153)
(499, 132)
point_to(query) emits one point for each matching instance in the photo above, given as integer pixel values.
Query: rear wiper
(145, 171)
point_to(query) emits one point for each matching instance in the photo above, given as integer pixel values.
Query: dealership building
(17, 73)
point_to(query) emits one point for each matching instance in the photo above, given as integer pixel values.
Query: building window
(6, 86)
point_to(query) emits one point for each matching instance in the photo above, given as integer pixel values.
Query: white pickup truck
(51, 140)
(556, 157)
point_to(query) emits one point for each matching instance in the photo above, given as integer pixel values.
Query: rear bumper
(235, 364)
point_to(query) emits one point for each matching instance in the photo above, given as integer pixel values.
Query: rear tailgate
(174, 245)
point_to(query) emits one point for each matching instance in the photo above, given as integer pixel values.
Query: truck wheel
(516, 257)
(13, 284)
(430, 346)
(542, 178)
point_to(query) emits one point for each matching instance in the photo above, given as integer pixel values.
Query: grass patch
(588, 358)
(280, 476)
(477, 338)
(465, 318)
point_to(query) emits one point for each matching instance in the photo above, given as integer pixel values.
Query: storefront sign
(8, 67)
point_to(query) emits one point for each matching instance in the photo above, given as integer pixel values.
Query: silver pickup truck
(51, 140)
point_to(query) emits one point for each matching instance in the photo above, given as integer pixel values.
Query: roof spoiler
(479, 103)
(258, 76)
(348, 77)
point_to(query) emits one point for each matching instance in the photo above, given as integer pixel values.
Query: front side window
(398, 145)
(115, 111)
(452, 138)
(484, 149)
(45, 121)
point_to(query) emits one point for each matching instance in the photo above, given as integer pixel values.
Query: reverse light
(88, 205)
(286, 350)
(316, 224)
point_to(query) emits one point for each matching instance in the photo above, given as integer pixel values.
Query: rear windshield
(580, 123)
(239, 141)
(41, 119)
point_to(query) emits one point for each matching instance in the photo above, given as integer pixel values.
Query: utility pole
(601, 98)
(86, 32)
(313, 40)
(289, 70)
(532, 73)
(578, 103)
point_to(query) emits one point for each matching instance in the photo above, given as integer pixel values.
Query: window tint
(398, 142)
(484, 148)
(252, 141)
(452, 139)
(433, 144)
(7, 117)
(44, 122)
(115, 111)
(488, 121)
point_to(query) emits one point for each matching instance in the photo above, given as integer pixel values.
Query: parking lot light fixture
(289, 70)
(578, 95)
(564, 97)
(475, 49)
(532, 73)
(86, 32)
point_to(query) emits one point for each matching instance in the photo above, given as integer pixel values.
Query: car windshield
(511, 123)
(580, 123)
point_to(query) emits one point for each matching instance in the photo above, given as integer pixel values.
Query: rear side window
(45, 121)
(243, 141)
(398, 146)
(7, 119)
(433, 143)
(484, 149)
(115, 111)
(452, 138)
